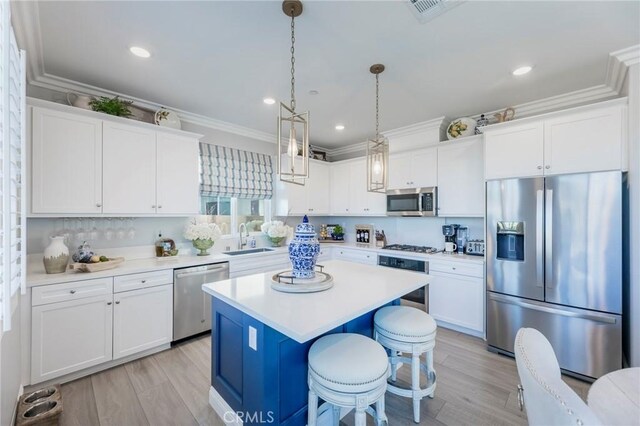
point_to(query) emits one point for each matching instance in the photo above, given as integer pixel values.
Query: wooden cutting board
(96, 267)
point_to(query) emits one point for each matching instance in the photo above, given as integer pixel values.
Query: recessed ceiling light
(269, 101)
(313, 92)
(339, 127)
(139, 51)
(522, 70)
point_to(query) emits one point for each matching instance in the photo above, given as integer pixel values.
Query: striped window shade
(228, 172)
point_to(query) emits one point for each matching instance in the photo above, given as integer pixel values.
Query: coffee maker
(462, 237)
(449, 232)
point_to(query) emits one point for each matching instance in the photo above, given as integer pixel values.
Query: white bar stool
(347, 370)
(403, 329)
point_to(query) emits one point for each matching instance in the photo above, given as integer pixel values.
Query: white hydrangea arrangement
(276, 231)
(196, 230)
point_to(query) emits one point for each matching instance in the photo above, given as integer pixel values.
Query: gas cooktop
(412, 249)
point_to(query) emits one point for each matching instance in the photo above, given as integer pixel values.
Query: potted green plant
(112, 106)
(338, 233)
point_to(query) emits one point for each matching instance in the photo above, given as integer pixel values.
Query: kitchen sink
(248, 251)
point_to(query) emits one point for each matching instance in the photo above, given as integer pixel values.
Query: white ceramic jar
(56, 256)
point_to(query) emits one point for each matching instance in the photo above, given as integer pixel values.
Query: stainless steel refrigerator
(554, 263)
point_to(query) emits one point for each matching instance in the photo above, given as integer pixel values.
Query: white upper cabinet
(129, 169)
(349, 195)
(586, 142)
(86, 164)
(177, 179)
(312, 198)
(417, 169)
(514, 151)
(586, 139)
(66, 163)
(461, 178)
(340, 174)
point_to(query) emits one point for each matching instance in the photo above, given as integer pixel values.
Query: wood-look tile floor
(475, 387)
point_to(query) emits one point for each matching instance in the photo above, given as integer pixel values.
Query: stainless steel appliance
(192, 306)
(449, 232)
(418, 298)
(462, 236)
(411, 249)
(412, 202)
(554, 263)
(475, 248)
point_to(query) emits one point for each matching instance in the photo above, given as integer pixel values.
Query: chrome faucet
(242, 245)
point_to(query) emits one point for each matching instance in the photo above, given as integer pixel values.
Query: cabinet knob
(144, 281)
(159, 206)
(539, 167)
(547, 167)
(72, 292)
(98, 204)
(454, 268)
(117, 302)
(109, 303)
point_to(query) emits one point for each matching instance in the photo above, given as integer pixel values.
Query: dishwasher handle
(181, 275)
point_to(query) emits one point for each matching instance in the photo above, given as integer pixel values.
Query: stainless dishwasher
(191, 305)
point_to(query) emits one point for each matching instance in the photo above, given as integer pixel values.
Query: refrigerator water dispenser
(510, 241)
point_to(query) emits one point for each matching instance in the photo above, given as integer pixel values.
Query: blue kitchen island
(260, 337)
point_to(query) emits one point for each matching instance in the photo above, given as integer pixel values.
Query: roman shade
(228, 172)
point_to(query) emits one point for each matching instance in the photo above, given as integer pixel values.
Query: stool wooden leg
(430, 371)
(415, 385)
(393, 360)
(361, 417)
(312, 409)
(336, 415)
(381, 416)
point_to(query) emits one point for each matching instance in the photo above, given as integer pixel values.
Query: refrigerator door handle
(539, 239)
(592, 316)
(549, 238)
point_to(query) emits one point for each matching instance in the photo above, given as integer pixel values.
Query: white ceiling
(220, 58)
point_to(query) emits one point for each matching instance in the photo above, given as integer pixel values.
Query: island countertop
(357, 289)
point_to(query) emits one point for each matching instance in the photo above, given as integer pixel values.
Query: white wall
(632, 305)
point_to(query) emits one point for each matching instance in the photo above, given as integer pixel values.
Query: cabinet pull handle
(117, 302)
(454, 268)
(109, 303)
(547, 167)
(159, 206)
(539, 167)
(98, 204)
(144, 281)
(72, 292)
(153, 206)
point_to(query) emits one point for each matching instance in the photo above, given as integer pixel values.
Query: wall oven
(412, 202)
(418, 298)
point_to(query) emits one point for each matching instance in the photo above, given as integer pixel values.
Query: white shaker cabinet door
(358, 194)
(340, 200)
(318, 189)
(399, 171)
(66, 163)
(70, 336)
(129, 174)
(514, 151)
(457, 300)
(424, 168)
(586, 142)
(142, 319)
(461, 179)
(178, 179)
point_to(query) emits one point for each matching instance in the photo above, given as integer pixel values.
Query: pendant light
(293, 127)
(378, 148)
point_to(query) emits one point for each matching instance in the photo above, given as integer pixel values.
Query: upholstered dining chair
(548, 400)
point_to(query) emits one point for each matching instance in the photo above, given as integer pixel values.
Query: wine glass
(131, 233)
(108, 232)
(94, 234)
(121, 232)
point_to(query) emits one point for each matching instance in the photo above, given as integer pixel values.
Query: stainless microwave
(412, 202)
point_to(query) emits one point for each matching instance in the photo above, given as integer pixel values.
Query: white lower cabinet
(70, 336)
(357, 256)
(455, 298)
(73, 329)
(142, 319)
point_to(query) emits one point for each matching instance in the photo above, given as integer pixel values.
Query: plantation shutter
(228, 172)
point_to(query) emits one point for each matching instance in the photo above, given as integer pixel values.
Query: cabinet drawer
(71, 291)
(359, 256)
(143, 280)
(458, 268)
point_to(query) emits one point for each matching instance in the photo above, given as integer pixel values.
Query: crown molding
(347, 149)
(412, 129)
(619, 62)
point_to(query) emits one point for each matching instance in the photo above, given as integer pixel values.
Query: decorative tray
(284, 281)
(97, 267)
(329, 240)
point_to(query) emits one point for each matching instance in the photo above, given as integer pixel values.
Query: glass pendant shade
(293, 145)
(377, 164)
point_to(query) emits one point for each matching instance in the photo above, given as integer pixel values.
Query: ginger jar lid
(305, 227)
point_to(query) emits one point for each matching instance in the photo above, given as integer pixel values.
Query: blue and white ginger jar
(304, 250)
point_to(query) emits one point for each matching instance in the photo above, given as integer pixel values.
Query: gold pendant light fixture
(293, 151)
(378, 148)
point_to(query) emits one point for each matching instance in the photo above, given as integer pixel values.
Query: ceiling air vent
(426, 10)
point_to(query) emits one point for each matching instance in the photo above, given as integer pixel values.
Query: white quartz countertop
(357, 289)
